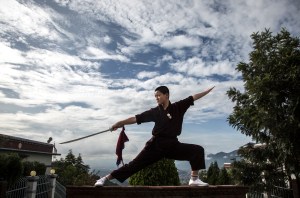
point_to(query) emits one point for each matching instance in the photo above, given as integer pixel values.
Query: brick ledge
(228, 191)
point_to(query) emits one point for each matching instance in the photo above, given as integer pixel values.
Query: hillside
(221, 158)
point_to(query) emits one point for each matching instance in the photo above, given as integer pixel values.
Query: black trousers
(156, 149)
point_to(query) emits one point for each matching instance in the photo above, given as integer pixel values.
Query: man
(168, 120)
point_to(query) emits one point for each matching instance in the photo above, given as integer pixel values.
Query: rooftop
(11, 143)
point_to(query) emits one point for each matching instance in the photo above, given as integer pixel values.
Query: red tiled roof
(20, 144)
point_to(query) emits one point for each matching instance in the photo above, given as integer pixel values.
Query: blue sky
(72, 68)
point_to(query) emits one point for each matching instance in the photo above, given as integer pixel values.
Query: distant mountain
(221, 158)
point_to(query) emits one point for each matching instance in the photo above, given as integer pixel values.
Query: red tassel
(121, 145)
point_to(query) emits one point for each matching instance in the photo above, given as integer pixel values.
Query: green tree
(259, 168)
(80, 166)
(70, 158)
(73, 171)
(213, 173)
(163, 172)
(203, 175)
(224, 178)
(268, 107)
(67, 176)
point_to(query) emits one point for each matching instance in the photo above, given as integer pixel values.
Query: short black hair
(162, 89)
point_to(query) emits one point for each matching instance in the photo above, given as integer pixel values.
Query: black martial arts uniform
(164, 143)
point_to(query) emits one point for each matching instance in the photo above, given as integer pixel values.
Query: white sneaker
(197, 182)
(100, 182)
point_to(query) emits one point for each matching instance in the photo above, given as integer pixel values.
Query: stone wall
(156, 191)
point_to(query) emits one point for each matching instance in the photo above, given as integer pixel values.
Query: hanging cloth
(120, 146)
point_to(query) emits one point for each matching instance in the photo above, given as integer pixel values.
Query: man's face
(161, 98)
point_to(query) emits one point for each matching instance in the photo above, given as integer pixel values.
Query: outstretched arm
(200, 95)
(121, 123)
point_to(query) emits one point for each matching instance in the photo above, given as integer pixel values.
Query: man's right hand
(121, 123)
(115, 127)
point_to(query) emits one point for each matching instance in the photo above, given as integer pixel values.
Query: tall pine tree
(213, 173)
(268, 107)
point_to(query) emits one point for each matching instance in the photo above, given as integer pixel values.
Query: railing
(275, 192)
(18, 189)
(43, 186)
(280, 192)
(254, 195)
(60, 191)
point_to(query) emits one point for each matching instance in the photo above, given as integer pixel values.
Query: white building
(28, 150)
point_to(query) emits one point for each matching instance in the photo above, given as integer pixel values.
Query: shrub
(38, 167)
(163, 172)
(11, 167)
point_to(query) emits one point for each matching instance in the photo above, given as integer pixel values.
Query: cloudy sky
(70, 68)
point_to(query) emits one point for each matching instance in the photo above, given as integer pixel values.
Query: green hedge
(161, 173)
(38, 167)
(11, 167)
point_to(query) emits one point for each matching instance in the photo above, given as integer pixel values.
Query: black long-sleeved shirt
(168, 123)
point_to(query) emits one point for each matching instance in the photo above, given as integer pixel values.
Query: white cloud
(144, 74)
(157, 23)
(197, 67)
(29, 19)
(10, 55)
(96, 53)
(179, 42)
(46, 58)
(63, 2)
(107, 39)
